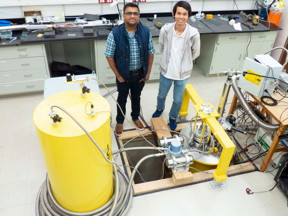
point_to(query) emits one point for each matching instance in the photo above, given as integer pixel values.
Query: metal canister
(255, 19)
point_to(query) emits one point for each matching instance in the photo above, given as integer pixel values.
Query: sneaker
(157, 113)
(138, 124)
(173, 124)
(119, 129)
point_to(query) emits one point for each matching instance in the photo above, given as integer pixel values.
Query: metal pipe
(224, 97)
(246, 107)
(139, 148)
(27, 27)
(281, 47)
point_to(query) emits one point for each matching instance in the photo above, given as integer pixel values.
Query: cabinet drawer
(22, 75)
(232, 38)
(106, 76)
(21, 87)
(21, 51)
(261, 36)
(107, 79)
(22, 64)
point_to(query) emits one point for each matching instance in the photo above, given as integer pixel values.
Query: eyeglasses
(132, 13)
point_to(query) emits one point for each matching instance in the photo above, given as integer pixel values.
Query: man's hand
(146, 78)
(112, 65)
(120, 79)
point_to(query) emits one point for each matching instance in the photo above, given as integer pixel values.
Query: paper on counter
(237, 26)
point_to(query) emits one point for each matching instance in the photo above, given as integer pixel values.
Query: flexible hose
(49, 206)
(281, 47)
(119, 204)
(248, 109)
(116, 191)
(139, 148)
(86, 132)
(111, 94)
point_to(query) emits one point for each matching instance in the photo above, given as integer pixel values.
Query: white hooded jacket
(190, 52)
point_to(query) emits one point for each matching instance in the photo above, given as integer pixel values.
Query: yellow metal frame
(190, 93)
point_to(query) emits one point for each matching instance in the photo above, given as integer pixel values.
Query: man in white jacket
(179, 46)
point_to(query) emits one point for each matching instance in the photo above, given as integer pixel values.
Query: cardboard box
(34, 16)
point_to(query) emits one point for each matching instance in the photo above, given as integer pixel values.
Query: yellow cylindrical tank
(199, 166)
(203, 162)
(81, 180)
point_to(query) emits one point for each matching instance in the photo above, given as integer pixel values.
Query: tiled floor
(22, 169)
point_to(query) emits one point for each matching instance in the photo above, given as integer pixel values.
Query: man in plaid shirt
(130, 54)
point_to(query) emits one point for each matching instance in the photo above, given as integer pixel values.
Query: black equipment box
(50, 34)
(88, 31)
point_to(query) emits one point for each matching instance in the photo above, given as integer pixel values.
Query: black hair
(130, 4)
(184, 5)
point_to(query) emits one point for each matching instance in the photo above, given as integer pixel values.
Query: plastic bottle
(263, 12)
(275, 13)
(199, 15)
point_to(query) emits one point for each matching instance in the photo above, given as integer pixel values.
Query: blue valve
(175, 146)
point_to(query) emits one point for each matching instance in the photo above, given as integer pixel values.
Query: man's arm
(112, 65)
(109, 53)
(150, 58)
(161, 39)
(196, 46)
(150, 63)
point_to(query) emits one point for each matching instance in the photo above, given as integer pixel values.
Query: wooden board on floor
(180, 126)
(162, 184)
(182, 176)
(161, 128)
(134, 133)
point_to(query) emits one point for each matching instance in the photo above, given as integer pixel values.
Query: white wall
(15, 8)
(283, 34)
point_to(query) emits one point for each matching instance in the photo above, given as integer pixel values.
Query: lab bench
(220, 52)
(276, 113)
(24, 63)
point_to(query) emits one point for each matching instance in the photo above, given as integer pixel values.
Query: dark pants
(135, 88)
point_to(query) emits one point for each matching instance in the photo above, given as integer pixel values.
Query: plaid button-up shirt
(135, 62)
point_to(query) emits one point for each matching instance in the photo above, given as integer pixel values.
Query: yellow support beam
(196, 99)
(190, 93)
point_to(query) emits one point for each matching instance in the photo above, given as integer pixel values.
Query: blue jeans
(164, 87)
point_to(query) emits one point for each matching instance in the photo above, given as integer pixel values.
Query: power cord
(273, 103)
(250, 192)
